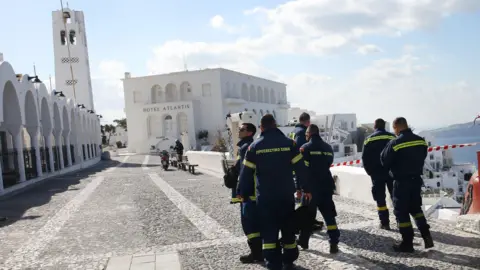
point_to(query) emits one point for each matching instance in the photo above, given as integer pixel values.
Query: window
(63, 38)
(137, 96)
(429, 143)
(206, 90)
(335, 148)
(431, 156)
(352, 125)
(73, 37)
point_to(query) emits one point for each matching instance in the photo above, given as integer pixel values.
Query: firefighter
(267, 175)
(298, 135)
(248, 209)
(404, 156)
(372, 147)
(318, 157)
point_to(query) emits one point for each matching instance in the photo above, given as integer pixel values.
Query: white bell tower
(72, 68)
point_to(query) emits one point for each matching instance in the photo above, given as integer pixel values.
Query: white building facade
(41, 134)
(179, 105)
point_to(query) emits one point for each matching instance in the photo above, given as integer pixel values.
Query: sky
(376, 58)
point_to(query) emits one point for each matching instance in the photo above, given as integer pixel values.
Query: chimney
(127, 75)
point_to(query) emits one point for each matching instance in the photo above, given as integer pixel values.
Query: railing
(30, 161)
(56, 158)
(10, 170)
(65, 156)
(72, 153)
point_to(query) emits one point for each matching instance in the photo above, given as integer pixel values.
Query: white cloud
(388, 87)
(368, 49)
(218, 22)
(108, 90)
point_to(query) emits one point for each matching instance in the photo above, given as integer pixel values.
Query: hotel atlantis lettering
(166, 108)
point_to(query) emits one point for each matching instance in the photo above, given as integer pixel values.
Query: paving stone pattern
(122, 216)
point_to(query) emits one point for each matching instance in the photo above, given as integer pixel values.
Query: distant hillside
(457, 130)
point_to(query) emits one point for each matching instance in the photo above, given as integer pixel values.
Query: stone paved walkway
(130, 214)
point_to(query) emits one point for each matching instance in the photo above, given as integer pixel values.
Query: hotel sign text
(167, 108)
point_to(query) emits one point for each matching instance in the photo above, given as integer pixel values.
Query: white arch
(253, 94)
(245, 92)
(266, 95)
(157, 95)
(186, 91)
(259, 94)
(171, 92)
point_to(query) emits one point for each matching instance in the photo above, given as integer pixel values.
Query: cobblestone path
(128, 216)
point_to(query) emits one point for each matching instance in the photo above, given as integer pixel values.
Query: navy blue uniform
(248, 208)
(267, 175)
(318, 156)
(405, 157)
(372, 147)
(298, 134)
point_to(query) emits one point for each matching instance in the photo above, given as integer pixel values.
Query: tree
(110, 129)
(121, 123)
(220, 145)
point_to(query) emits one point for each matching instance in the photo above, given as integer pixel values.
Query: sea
(461, 155)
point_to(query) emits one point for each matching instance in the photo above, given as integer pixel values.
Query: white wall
(349, 121)
(296, 111)
(30, 108)
(78, 58)
(243, 92)
(119, 135)
(208, 103)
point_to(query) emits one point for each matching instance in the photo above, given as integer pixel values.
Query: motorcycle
(165, 159)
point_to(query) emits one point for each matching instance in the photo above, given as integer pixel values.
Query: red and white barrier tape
(430, 149)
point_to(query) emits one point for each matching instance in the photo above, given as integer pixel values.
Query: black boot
(288, 266)
(385, 226)
(403, 247)
(427, 238)
(256, 255)
(333, 248)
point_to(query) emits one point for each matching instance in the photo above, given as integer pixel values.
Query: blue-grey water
(461, 155)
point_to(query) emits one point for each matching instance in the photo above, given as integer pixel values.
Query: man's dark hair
(313, 129)
(304, 117)
(250, 128)
(379, 123)
(400, 122)
(268, 121)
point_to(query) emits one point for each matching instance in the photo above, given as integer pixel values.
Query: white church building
(181, 105)
(44, 132)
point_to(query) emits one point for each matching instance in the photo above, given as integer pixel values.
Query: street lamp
(58, 94)
(99, 116)
(81, 106)
(35, 79)
(91, 111)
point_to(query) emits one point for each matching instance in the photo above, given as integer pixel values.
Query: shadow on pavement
(361, 239)
(14, 207)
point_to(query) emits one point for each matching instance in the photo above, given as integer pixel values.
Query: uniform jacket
(405, 155)
(372, 147)
(298, 134)
(269, 162)
(318, 156)
(179, 147)
(243, 145)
